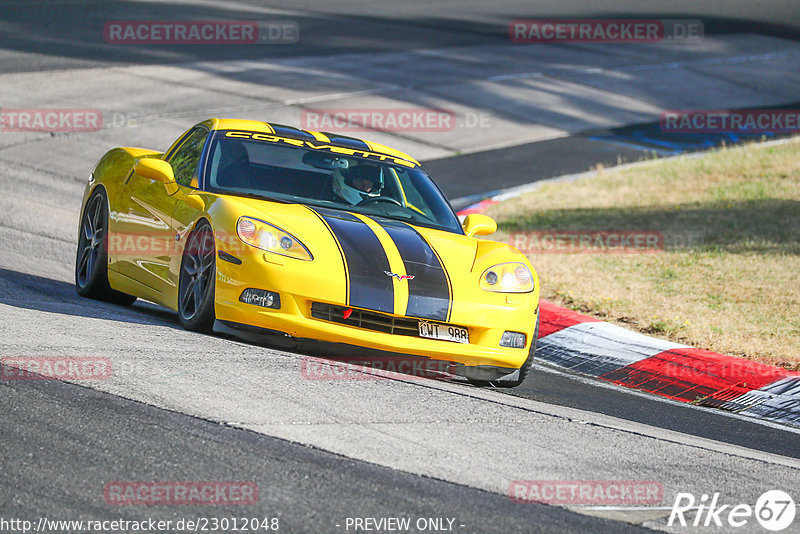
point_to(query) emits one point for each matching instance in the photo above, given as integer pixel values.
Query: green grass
(728, 278)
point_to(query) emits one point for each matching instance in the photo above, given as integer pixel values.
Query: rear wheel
(91, 260)
(196, 283)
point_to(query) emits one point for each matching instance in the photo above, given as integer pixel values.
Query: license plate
(443, 332)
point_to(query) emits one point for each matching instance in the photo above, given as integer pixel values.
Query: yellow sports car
(250, 227)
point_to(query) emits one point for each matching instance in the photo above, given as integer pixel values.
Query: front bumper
(294, 319)
(302, 283)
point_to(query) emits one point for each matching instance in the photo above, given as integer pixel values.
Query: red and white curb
(611, 353)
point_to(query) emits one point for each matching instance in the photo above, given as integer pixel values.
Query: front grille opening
(365, 319)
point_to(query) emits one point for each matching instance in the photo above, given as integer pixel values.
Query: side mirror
(158, 170)
(477, 224)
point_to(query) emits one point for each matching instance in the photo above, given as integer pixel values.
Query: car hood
(387, 258)
(382, 260)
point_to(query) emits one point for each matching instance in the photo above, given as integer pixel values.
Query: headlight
(507, 278)
(265, 236)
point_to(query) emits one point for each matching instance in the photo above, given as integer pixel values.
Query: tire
(91, 258)
(523, 370)
(196, 281)
(526, 367)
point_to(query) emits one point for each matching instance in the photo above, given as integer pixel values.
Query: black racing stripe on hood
(429, 292)
(366, 261)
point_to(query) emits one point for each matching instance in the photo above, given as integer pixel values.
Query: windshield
(319, 174)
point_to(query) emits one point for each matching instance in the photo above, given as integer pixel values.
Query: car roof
(307, 135)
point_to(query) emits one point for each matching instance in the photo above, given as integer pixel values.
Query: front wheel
(196, 282)
(91, 259)
(517, 377)
(526, 367)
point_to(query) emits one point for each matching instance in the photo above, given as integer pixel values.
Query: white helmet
(357, 183)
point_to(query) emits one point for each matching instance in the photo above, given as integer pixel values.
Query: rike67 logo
(774, 510)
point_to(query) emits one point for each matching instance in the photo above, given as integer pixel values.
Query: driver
(355, 184)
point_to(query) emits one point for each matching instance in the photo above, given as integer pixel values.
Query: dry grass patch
(728, 279)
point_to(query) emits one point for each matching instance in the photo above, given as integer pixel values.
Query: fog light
(259, 297)
(515, 340)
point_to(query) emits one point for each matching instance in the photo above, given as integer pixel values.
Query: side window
(184, 161)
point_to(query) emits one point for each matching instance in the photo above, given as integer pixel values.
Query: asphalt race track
(186, 407)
